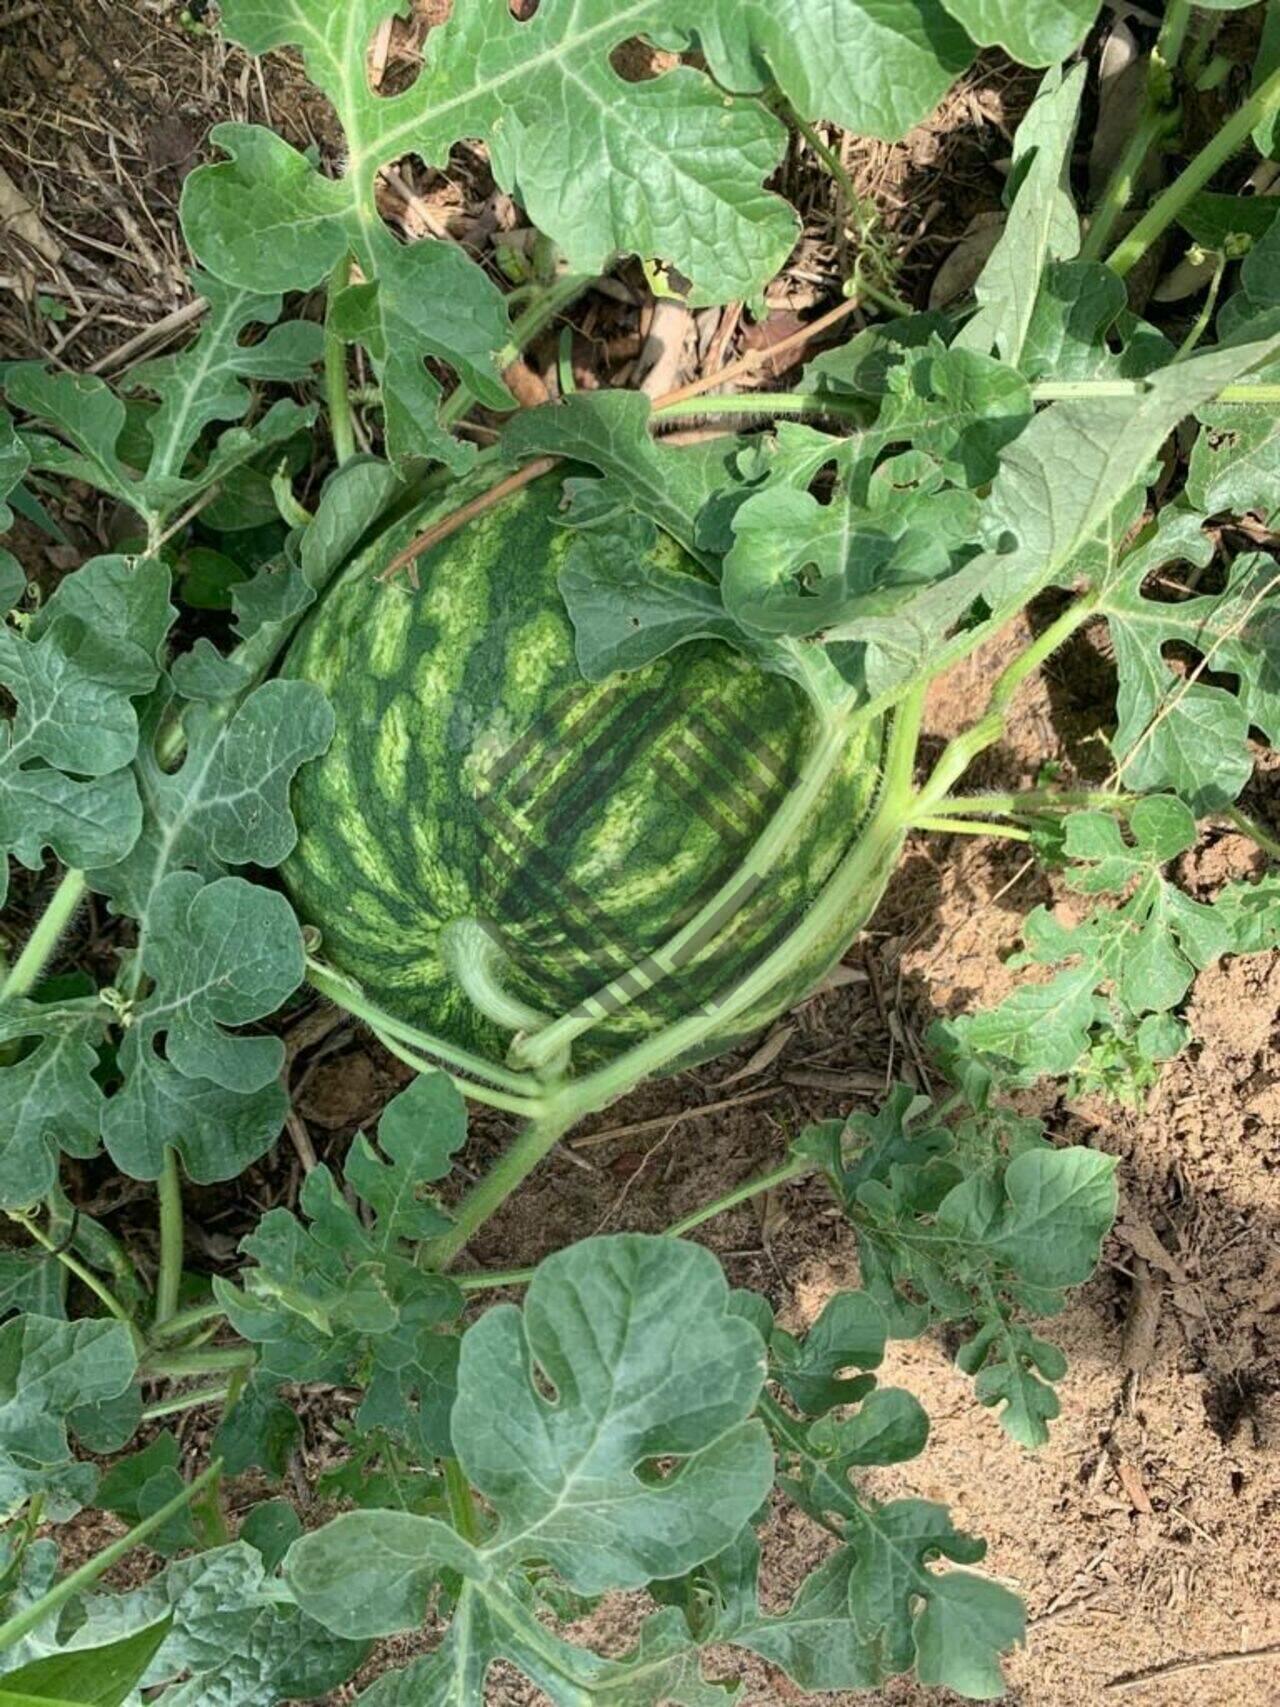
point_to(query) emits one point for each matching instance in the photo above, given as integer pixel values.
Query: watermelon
(475, 774)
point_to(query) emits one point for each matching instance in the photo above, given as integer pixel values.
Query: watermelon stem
(347, 995)
(477, 960)
(537, 1140)
(337, 394)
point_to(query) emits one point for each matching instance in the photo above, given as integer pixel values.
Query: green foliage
(976, 1220)
(73, 673)
(628, 1425)
(189, 392)
(1173, 731)
(1130, 963)
(90, 1677)
(48, 1369)
(341, 1300)
(232, 1636)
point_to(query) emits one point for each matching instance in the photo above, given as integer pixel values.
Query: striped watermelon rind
(475, 774)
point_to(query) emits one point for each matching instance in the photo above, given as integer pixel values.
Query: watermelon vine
(566, 763)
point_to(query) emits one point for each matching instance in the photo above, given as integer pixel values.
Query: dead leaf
(19, 217)
(1131, 1482)
(764, 1056)
(962, 268)
(1141, 1236)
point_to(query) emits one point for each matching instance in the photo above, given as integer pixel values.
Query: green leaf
(877, 70)
(219, 954)
(635, 1338)
(74, 673)
(1211, 218)
(669, 168)
(1251, 912)
(1135, 958)
(1081, 328)
(89, 1677)
(1042, 228)
(47, 1368)
(342, 1300)
(14, 462)
(30, 1284)
(815, 1641)
(259, 1431)
(610, 431)
(976, 1222)
(1035, 32)
(963, 1622)
(1235, 461)
(1259, 292)
(234, 1636)
(13, 582)
(1188, 736)
(850, 1332)
(140, 1484)
(202, 385)
(271, 1529)
(74, 678)
(799, 566)
(206, 381)
(49, 1100)
(1266, 135)
(87, 413)
(228, 803)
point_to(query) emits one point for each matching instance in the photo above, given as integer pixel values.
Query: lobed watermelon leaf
(153, 473)
(977, 1221)
(48, 1369)
(1174, 731)
(341, 1299)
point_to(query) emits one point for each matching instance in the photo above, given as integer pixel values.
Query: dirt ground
(1144, 1535)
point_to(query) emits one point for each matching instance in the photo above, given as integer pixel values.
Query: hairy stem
(344, 994)
(1030, 803)
(186, 1321)
(1253, 829)
(542, 310)
(963, 749)
(462, 1505)
(73, 1265)
(1215, 154)
(970, 827)
(764, 405)
(40, 945)
(218, 1360)
(526, 1107)
(1157, 120)
(796, 1168)
(169, 1279)
(337, 393)
(15, 1628)
(537, 1140)
(186, 1402)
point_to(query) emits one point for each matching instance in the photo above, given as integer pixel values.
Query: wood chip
(19, 218)
(1131, 1482)
(1138, 1342)
(1142, 1238)
(765, 1055)
(816, 1079)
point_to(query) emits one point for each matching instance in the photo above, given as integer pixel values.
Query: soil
(1143, 1535)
